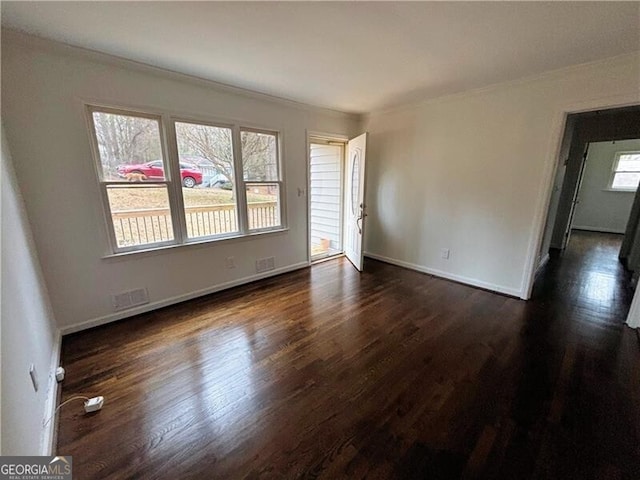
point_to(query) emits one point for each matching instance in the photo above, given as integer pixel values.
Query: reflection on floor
(588, 277)
(329, 373)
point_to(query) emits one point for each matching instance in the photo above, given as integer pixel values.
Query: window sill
(618, 190)
(156, 250)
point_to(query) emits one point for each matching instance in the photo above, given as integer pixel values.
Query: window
(131, 172)
(210, 202)
(262, 178)
(222, 181)
(626, 171)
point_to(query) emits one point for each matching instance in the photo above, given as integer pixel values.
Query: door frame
(549, 173)
(326, 137)
(576, 197)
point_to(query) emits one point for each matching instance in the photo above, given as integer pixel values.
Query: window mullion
(176, 200)
(241, 191)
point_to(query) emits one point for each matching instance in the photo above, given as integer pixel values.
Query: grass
(138, 197)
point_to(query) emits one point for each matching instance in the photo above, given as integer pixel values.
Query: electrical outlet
(444, 253)
(230, 262)
(93, 404)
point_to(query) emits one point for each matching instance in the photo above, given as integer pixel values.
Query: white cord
(62, 405)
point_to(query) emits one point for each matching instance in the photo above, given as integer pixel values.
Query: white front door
(355, 209)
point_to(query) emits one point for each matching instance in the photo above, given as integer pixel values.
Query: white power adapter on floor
(93, 404)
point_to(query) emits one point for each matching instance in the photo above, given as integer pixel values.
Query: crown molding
(41, 43)
(36, 42)
(548, 75)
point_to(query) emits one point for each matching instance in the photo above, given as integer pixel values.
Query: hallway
(580, 349)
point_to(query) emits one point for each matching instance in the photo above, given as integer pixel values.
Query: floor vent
(132, 298)
(265, 264)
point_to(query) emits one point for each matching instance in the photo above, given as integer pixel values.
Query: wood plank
(329, 373)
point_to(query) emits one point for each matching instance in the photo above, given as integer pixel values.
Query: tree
(130, 140)
(259, 157)
(125, 139)
(212, 143)
(215, 144)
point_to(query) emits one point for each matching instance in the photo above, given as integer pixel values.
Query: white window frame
(169, 147)
(614, 171)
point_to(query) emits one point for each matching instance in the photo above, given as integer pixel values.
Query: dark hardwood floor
(327, 373)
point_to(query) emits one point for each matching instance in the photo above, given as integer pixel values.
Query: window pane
(140, 214)
(130, 148)
(259, 156)
(208, 187)
(629, 163)
(263, 205)
(627, 181)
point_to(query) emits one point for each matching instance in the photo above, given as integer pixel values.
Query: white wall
(29, 335)
(601, 209)
(44, 87)
(473, 173)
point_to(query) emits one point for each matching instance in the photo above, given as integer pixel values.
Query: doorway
(582, 130)
(594, 194)
(326, 197)
(607, 187)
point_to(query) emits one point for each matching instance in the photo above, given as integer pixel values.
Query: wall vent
(265, 264)
(132, 298)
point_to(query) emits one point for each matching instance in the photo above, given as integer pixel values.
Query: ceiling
(350, 56)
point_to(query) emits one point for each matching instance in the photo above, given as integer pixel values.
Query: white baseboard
(597, 229)
(178, 298)
(49, 431)
(449, 276)
(542, 263)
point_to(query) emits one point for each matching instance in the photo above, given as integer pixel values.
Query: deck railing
(152, 225)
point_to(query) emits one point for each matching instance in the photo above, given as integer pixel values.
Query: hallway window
(626, 171)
